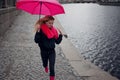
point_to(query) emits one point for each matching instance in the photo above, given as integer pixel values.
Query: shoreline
(100, 3)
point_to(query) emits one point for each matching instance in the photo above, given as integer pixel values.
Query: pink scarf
(50, 33)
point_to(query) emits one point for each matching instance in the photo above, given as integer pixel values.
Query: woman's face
(50, 23)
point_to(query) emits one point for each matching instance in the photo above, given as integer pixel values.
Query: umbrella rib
(48, 8)
(35, 7)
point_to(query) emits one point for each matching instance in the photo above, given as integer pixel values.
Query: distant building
(3, 3)
(108, 0)
(89, 0)
(113, 0)
(7, 3)
(69, 1)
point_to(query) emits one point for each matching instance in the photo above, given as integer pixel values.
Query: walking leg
(45, 56)
(52, 57)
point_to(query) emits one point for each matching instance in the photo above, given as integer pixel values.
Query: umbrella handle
(40, 9)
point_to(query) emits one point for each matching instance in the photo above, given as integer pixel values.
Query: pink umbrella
(44, 7)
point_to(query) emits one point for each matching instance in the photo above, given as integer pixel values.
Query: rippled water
(95, 31)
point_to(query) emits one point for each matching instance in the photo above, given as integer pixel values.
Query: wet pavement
(20, 56)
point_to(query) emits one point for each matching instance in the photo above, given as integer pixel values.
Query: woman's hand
(37, 28)
(65, 35)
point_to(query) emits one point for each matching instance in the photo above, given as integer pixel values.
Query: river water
(95, 31)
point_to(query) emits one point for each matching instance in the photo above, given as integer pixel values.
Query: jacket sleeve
(37, 37)
(58, 41)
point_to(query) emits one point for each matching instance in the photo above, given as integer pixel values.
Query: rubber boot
(52, 77)
(46, 69)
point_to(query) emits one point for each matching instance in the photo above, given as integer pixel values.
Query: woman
(46, 37)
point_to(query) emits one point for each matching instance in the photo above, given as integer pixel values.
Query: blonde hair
(42, 21)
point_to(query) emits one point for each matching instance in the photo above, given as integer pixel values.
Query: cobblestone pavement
(20, 56)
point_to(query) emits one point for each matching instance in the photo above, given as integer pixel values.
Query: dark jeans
(49, 56)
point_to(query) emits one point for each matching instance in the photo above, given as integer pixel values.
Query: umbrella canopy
(44, 7)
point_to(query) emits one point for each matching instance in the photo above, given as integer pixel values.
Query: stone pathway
(20, 56)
